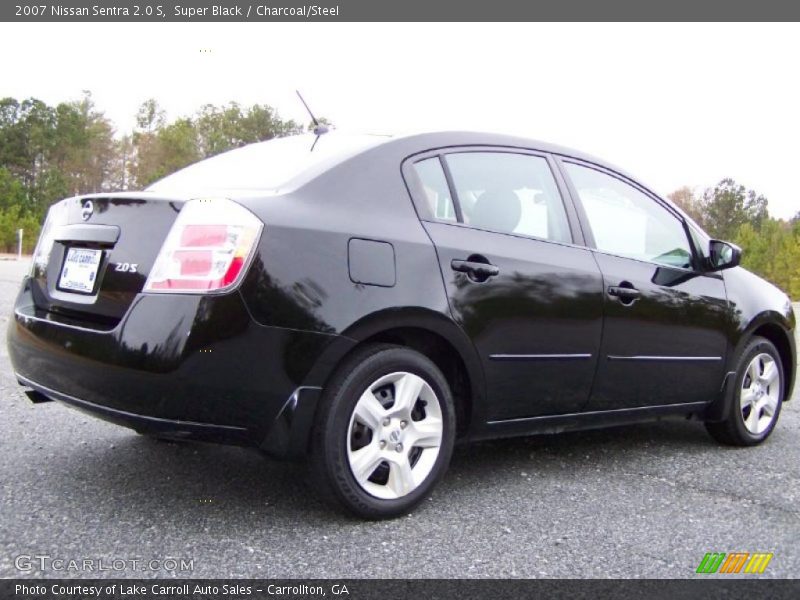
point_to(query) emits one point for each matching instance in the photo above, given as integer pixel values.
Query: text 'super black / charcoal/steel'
(367, 301)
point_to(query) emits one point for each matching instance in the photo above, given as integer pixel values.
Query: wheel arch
(778, 328)
(784, 343)
(772, 326)
(432, 334)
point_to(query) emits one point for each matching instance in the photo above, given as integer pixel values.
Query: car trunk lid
(107, 243)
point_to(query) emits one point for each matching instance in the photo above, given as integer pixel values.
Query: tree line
(51, 152)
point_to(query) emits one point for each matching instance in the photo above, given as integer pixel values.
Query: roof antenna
(318, 129)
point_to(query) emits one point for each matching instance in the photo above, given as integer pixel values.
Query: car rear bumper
(196, 366)
(144, 423)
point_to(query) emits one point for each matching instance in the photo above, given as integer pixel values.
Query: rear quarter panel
(300, 277)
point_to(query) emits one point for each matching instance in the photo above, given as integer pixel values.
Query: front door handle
(476, 270)
(625, 293)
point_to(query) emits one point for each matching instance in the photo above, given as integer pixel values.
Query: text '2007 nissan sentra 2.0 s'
(367, 301)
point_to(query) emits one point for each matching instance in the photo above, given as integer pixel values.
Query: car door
(665, 322)
(527, 296)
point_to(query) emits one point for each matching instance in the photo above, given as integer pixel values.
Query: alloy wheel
(760, 393)
(394, 435)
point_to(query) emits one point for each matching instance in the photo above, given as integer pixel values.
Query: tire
(757, 398)
(383, 435)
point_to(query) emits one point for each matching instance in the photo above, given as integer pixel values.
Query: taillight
(56, 215)
(208, 248)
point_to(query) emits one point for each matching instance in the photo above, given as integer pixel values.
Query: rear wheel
(384, 434)
(757, 399)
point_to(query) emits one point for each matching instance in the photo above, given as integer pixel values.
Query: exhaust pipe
(36, 397)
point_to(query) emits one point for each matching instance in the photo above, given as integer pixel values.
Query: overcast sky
(674, 104)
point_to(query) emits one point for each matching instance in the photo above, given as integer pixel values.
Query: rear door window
(509, 193)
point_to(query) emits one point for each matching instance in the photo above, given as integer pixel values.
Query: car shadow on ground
(194, 480)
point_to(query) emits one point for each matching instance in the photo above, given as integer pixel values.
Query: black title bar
(397, 10)
(734, 588)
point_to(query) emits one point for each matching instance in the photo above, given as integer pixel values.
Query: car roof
(307, 156)
(443, 139)
(334, 148)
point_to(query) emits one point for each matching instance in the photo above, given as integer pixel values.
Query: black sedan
(368, 301)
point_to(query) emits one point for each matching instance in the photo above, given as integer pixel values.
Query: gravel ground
(639, 501)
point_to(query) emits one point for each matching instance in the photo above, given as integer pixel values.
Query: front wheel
(384, 433)
(757, 398)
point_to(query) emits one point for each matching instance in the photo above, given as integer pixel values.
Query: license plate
(79, 272)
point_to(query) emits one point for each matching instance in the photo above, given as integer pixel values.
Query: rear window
(266, 165)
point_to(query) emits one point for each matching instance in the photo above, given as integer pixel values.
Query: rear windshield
(266, 165)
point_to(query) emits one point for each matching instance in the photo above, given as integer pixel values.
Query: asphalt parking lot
(640, 501)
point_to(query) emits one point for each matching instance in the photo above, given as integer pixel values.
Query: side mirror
(723, 255)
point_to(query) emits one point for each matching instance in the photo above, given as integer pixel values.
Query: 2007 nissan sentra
(368, 301)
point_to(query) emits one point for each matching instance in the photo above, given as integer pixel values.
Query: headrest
(498, 210)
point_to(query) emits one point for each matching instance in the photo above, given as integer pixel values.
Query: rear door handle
(623, 292)
(479, 271)
(626, 294)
